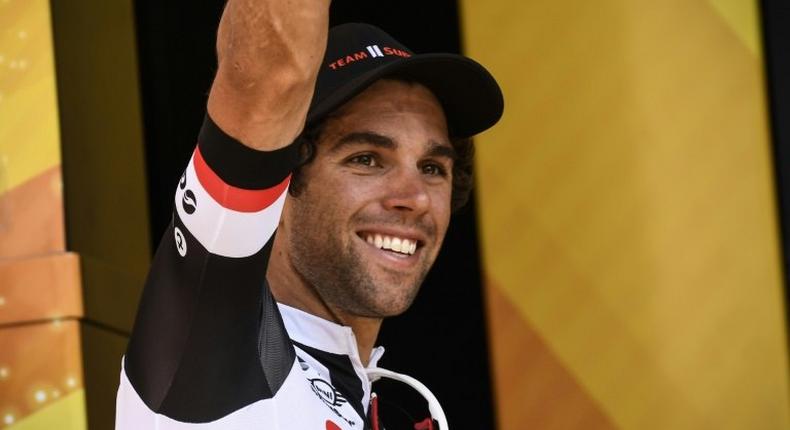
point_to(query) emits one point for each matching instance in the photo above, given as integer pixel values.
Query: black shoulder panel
(275, 350)
(198, 359)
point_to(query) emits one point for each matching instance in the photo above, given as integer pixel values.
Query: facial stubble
(326, 256)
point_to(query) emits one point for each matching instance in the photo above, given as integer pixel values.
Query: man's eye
(434, 170)
(365, 160)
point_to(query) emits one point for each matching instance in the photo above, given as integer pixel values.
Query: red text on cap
(371, 51)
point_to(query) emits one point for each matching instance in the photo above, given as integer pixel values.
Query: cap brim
(470, 96)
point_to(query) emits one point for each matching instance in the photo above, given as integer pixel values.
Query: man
(374, 136)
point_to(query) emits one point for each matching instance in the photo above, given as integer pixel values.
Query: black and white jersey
(210, 347)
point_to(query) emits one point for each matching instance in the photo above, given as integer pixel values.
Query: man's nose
(407, 191)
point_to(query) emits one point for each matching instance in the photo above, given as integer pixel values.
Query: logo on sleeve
(189, 202)
(181, 243)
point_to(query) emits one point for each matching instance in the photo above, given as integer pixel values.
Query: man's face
(376, 202)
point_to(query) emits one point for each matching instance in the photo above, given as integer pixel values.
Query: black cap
(357, 55)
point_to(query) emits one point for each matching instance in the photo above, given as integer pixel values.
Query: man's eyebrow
(435, 149)
(442, 150)
(364, 137)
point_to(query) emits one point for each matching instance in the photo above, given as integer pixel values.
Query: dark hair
(462, 165)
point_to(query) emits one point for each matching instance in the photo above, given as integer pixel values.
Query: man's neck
(291, 289)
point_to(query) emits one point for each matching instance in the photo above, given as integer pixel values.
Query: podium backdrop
(628, 273)
(628, 216)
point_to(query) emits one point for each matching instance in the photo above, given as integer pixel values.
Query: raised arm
(208, 339)
(269, 52)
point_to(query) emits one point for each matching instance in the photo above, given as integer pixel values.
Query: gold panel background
(31, 220)
(41, 381)
(628, 221)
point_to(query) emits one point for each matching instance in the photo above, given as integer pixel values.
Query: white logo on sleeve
(181, 242)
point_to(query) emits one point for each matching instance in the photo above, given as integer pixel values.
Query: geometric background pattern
(628, 216)
(74, 247)
(627, 210)
(41, 380)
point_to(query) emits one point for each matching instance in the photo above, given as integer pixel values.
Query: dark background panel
(775, 16)
(441, 340)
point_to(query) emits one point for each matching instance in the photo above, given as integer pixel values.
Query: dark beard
(339, 276)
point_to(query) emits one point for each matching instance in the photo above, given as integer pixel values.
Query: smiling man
(355, 151)
(361, 234)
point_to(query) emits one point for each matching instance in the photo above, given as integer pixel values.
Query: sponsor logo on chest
(321, 386)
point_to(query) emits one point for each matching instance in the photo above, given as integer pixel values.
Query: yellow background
(41, 384)
(628, 216)
(29, 132)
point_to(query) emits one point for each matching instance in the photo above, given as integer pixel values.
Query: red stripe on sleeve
(237, 199)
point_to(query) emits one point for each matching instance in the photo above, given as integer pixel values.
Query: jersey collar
(319, 333)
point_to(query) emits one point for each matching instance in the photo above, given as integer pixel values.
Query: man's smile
(401, 248)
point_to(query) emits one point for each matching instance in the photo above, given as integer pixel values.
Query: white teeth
(396, 244)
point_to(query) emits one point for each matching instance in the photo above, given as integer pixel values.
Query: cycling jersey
(210, 347)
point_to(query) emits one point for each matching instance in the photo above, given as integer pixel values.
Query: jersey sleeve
(208, 338)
